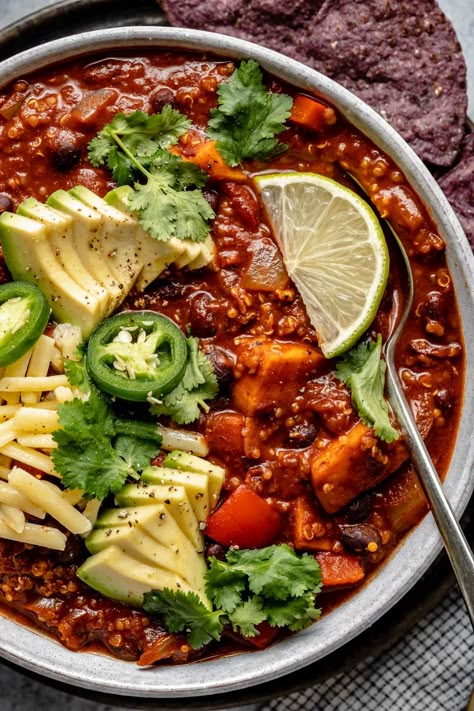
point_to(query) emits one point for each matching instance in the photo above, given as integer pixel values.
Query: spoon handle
(459, 552)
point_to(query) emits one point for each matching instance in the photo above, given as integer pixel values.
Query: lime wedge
(334, 250)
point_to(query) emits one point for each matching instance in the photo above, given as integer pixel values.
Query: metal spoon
(457, 548)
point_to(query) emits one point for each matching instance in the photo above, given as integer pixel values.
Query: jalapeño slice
(24, 313)
(137, 355)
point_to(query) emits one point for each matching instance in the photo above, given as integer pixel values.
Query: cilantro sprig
(97, 450)
(199, 383)
(167, 196)
(248, 117)
(272, 584)
(363, 370)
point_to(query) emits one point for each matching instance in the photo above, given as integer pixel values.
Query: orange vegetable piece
(353, 463)
(244, 520)
(340, 570)
(310, 532)
(276, 371)
(265, 636)
(404, 500)
(163, 647)
(224, 433)
(311, 113)
(207, 157)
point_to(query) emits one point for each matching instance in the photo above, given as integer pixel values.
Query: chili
(283, 426)
(24, 313)
(137, 355)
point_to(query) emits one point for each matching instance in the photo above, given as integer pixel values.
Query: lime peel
(334, 250)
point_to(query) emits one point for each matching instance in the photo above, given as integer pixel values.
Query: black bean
(359, 509)
(212, 197)
(302, 435)
(160, 98)
(215, 550)
(65, 151)
(223, 364)
(201, 317)
(6, 203)
(361, 538)
(435, 306)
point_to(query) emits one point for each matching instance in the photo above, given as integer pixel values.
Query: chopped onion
(266, 270)
(182, 439)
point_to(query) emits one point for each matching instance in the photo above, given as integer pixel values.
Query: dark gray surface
(20, 692)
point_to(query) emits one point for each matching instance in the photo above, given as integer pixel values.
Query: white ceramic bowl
(38, 653)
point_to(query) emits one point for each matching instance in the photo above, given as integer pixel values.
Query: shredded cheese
(50, 500)
(38, 365)
(35, 535)
(26, 384)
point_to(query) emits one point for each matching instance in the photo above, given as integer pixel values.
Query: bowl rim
(43, 655)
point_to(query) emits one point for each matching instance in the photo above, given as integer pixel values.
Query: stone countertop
(21, 693)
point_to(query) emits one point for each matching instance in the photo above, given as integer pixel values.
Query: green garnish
(248, 117)
(363, 370)
(75, 370)
(97, 451)
(272, 584)
(185, 611)
(167, 198)
(199, 383)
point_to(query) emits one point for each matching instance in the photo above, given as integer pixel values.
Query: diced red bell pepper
(265, 636)
(311, 113)
(244, 520)
(340, 570)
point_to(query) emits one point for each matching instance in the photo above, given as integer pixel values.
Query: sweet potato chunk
(224, 433)
(310, 531)
(353, 463)
(404, 500)
(272, 374)
(340, 570)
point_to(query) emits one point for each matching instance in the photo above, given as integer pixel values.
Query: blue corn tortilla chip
(401, 57)
(458, 186)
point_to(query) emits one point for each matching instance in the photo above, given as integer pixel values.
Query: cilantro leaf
(167, 197)
(135, 452)
(363, 370)
(91, 455)
(295, 613)
(165, 212)
(246, 616)
(248, 117)
(225, 585)
(199, 383)
(185, 612)
(76, 372)
(230, 585)
(141, 134)
(276, 571)
(185, 173)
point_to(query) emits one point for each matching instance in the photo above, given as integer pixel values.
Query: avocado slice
(30, 257)
(118, 234)
(206, 254)
(87, 235)
(157, 256)
(122, 577)
(187, 462)
(176, 500)
(59, 228)
(196, 485)
(178, 556)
